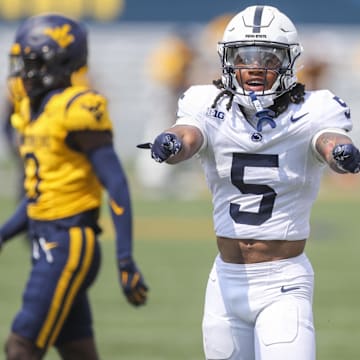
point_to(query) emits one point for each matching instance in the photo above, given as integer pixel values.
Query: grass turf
(174, 247)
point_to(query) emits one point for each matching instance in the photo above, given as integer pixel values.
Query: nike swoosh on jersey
(290, 288)
(295, 119)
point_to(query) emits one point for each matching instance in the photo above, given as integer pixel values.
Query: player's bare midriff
(242, 251)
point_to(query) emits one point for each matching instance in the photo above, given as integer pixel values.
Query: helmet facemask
(263, 59)
(42, 73)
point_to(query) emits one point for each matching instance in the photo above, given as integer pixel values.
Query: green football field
(175, 249)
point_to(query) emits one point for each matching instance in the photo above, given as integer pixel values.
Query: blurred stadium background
(142, 55)
(122, 40)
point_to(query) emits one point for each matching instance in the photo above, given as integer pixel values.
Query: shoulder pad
(196, 99)
(87, 110)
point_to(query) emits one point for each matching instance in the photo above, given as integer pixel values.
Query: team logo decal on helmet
(61, 35)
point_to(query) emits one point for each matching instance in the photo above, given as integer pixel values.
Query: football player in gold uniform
(66, 144)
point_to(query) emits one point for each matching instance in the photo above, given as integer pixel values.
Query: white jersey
(263, 183)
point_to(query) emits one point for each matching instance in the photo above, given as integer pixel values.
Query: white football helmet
(264, 33)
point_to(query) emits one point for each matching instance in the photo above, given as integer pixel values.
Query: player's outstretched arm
(339, 152)
(176, 144)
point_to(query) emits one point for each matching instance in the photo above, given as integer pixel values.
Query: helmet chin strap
(264, 116)
(245, 100)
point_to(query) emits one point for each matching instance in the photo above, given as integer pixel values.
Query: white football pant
(260, 311)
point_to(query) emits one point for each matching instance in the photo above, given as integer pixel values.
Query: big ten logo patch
(215, 113)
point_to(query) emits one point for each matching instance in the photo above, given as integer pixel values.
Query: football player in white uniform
(263, 142)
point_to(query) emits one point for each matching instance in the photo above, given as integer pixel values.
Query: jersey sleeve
(87, 110)
(334, 116)
(192, 107)
(109, 170)
(333, 112)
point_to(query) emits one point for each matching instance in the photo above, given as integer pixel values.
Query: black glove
(132, 282)
(164, 146)
(347, 157)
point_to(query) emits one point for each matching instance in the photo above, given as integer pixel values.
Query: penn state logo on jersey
(256, 137)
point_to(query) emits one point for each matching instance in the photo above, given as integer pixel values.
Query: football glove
(164, 146)
(132, 282)
(347, 157)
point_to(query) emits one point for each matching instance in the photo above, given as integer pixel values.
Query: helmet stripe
(257, 19)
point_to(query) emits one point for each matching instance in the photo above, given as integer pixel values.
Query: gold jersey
(60, 181)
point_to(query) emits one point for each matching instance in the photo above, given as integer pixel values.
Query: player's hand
(164, 146)
(347, 157)
(132, 282)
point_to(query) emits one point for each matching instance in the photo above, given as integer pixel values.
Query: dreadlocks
(219, 84)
